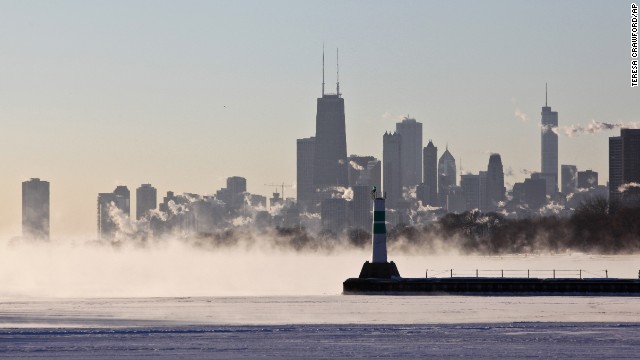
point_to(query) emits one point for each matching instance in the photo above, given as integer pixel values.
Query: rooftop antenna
(323, 69)
(337, 74)
(545, 94)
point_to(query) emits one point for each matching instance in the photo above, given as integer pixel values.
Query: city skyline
(80, 127)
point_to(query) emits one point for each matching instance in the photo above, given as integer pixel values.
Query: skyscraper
(357, 169)
(549, 146)
(446, 175)
(392, 168)
(430, 169)
(615, 169)
(360, 207)
(110, 206)
(411, 147)
(568, 179)
(146, 200)
(587, 179)
(35, 209)
(624, 167)
(470, 185)
(495, 182)
(330, 165)
(304, 172)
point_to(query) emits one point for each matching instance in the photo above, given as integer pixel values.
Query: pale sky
(183, 94)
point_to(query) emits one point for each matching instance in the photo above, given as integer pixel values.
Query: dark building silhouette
(470, 185)
(446, 175)
(430, 170)
(112, 208)
(549, 148)
(587, 179)
(411, 148)
(304, 174)
(373, 175)
(330, 165)
(358, 170)
(392, 168)
(495, 182)
(360, 207)
(146, 200)
(483, 196)
(333, 215)
(123, 192)
(568, 179)
(535, 193)
(35, 209)
(237, 187)
(624, 168)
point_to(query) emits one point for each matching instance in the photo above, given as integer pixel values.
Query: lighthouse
(379, 267)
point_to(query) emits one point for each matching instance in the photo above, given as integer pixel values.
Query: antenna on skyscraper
(545, 94)
(337, 74)
(323, 69)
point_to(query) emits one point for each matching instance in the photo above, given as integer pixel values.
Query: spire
(323, 69)
(545, 94)
(337, 74)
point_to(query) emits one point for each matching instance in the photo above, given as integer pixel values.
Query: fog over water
(173, 268)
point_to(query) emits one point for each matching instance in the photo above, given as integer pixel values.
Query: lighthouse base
(386, 270)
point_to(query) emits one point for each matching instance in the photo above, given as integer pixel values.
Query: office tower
(35, 209)
(470, 185)
(446, 175)
(357, 171)
(361, 207)
(549, 147)
(587, 179)
(112, 209)
(615, 169)
(568, 179)
(146, 200)
(430, 169)
(628, 191)
(483, 196)
(535, 192)
(333, 215)
(549, 180)
(373, 174)
(392, 168)
(237, 185)
(495, 182)
(330, 165)
(411, 148)
(304, 172)
(455, 201)
(125, 199)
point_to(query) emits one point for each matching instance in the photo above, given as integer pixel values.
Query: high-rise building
(373, 174)
(392, 168)
(411, 147)
(483, 195)
(535, 192)
(587, 179)
(446, 175)
(330, 164)
(112, 208)
(146, 200)
(333, 215)
(470, 185)
(495, 182)
(624, 167)
(358, 169)
(305, 163)
(549, 181)
(568, 179)
(237, 185)
(360, 207)
(615, 169)
(430, 169)
(549, 147)
(123, 193)
(35, 209)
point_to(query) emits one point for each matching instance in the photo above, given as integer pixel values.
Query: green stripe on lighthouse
(379, 228)
(378, 216)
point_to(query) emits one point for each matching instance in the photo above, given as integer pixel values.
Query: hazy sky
(182, 94)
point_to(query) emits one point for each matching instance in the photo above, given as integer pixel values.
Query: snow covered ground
(322, 326)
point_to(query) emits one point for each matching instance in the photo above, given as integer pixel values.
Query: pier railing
(516, 273)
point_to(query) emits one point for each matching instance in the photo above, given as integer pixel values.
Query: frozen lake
(64, 300)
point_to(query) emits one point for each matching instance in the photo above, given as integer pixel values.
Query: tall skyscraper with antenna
(549, 146)
(330, 155)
